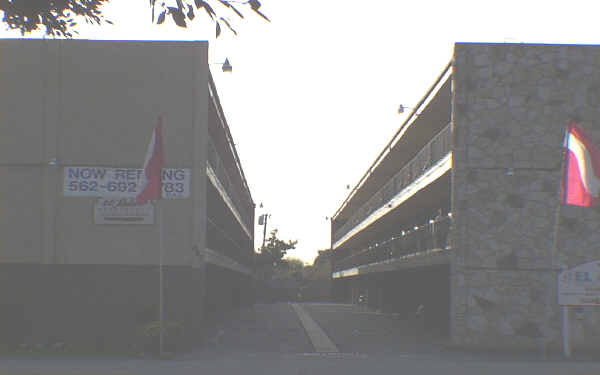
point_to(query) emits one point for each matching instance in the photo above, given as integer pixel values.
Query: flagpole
(151, 191)
(564, 309)
(566, 337)
(160, 276)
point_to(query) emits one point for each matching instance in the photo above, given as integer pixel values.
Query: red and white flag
(581, 176)
(151, 187)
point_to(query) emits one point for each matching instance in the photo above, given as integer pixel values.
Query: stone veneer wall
(511, 104)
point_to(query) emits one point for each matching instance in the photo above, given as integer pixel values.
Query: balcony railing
(431, 153)
(233, 192)
(219, 240)
(433, 235)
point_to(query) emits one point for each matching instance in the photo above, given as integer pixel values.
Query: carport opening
(421, 294)
(401, 293)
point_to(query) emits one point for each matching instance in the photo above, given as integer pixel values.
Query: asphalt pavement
(272, 339)
(369, 332)
(272, 328)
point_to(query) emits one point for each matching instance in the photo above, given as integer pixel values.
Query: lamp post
(262, 220)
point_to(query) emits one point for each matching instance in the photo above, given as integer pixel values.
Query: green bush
(172, 336)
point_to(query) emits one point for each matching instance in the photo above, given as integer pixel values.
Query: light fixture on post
(262, 220)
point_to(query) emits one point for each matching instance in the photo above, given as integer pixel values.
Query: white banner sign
(580, 286)
(122, 211)
(122, 182)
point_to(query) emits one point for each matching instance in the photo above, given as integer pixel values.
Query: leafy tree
(184, 11)
(290, 268)
(275, 249)
(321, 267)
(58, 17)
(294, 264)
(316, 284)
(270, 258)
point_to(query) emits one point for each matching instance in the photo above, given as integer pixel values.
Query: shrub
(150, 334)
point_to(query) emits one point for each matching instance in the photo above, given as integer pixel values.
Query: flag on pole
(581, 175)
(151, 186)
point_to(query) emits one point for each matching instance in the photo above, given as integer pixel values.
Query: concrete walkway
(320, 341)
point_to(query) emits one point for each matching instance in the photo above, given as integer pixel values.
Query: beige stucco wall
(92, 103)
(511, 105)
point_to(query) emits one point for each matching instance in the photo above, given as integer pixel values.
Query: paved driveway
(270, 339)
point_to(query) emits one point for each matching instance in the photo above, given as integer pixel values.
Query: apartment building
(79, 262)
(457, 214)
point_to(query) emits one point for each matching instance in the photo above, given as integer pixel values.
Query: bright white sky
(313, 95)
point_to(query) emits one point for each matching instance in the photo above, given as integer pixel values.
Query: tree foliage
(58, 17)
(290, 268)
(275, 249)
(321, 268)
(269, 261)
(184, 11)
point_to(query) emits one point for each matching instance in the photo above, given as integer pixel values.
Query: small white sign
(122, 182)
(580, 286)
(122, 211)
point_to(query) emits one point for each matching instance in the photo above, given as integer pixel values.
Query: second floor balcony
(431, 161)
(419, 239)
(233, 193)
(224, 167)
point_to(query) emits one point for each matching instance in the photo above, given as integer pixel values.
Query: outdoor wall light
(510, 172)
(402, 108)
(225, 66)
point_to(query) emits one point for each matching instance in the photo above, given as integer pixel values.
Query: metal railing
(219, 110)
(439, 82)
(217, 165)
(433, 235)
(220, 241)
(435, 150)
